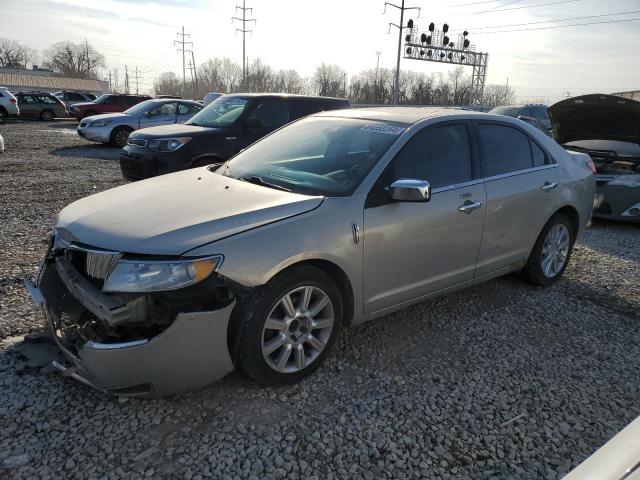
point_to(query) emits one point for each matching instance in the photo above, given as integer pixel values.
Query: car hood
(596, 117)
(172, 214)
(108, 116)
(179, 130)
(84, 104)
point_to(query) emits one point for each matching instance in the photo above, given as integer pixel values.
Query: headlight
(168, 144)
(632, 180)
(137, 276)
(99, 123)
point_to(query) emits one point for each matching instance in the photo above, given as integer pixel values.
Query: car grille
(139, 142)
(83, 124)
(604, 208)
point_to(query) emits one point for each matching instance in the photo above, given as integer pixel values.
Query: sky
(539, 63)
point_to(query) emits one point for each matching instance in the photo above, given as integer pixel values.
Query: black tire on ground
(119, 136)
(533, 271)
(3, 115)
(89, 114)
(47, 115)
(251, 314)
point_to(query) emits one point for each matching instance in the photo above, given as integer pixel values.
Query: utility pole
(378, 53)
(116, 84)
(86, 50)
(244, 20)
(110, 89)
(400, 27)
(126, 80)
(137, 77)
(195, 76)
(182, 44)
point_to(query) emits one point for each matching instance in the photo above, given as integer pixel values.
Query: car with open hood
(607, 128)
(115, 128)
(223, 128)
(167, 284)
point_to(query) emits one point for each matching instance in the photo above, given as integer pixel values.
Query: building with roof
(43, 80)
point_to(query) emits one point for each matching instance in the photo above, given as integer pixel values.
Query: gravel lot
(496, 381)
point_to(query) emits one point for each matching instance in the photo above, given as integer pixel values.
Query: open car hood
(172, 214)
(596, 117)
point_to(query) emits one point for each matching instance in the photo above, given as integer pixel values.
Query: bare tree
(496, 95)
(14, 54)
(168, 83)
(330, 80)
(220, 75)
(75, 60)
(288, 81)
(259, 77)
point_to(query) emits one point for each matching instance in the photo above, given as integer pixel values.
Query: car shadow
(97, 151)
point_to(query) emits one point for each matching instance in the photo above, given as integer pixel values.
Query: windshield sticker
(382, 128)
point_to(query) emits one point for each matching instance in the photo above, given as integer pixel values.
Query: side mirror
(409, 190)
(253, 124)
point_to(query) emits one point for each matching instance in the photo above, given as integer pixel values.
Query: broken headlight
(139, 276)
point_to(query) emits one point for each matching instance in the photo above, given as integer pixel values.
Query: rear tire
(119, 137)
(298, 332)
(3, 115)
(47, 115)
(551, 253)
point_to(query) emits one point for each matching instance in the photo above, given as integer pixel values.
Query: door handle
(548, 186)
(468, 207)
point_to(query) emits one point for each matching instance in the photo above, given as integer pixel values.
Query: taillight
(591, 166)
(12, 100)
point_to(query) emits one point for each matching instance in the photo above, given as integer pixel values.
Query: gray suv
(69, 98)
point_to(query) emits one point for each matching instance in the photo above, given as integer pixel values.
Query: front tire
(551, 253)
(119, 137)
(288, 326)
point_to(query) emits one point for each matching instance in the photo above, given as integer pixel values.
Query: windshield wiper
(259, 181)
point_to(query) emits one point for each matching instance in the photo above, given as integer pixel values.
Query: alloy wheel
(555, 250)
(297, 329)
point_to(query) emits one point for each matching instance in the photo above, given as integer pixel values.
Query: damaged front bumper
(189, 352)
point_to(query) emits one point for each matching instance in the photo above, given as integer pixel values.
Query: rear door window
(504, 149)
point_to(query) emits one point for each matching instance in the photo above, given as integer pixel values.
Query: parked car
(114, 128)
(210, 97)
(108, 103)
(71, 98)
(533, 114)
(166, 284)
(8, 105)
(607, 128)
(219, 131)
(40, 105)
(1, 144)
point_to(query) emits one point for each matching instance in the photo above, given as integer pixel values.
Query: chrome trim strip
(355, 231)
(35, 294)
(70, 372)
(520, 172)
(114, 346)
(458, 185)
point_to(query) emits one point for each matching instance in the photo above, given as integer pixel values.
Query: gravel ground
(496, 381)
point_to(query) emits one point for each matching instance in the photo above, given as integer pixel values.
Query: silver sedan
(114, 128)
(341, 217)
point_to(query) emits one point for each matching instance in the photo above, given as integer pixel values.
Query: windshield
(222, 112)
(316, 155)
(507, 111)
(101, 99)
(140, 108)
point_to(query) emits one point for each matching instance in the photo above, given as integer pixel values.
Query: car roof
(283, 95)
(170, 100)
(407, 115)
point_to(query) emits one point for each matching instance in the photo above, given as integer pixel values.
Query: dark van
(226, 126)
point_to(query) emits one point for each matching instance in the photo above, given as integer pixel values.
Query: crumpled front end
(133, 344)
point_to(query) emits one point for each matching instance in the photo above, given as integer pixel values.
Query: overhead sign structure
(436, 46)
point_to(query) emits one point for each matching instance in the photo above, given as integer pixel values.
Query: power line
(526, 6)
(568, 19)
(137, 78)
(561, 26)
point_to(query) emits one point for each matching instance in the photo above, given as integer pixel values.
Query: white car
(8, 105)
